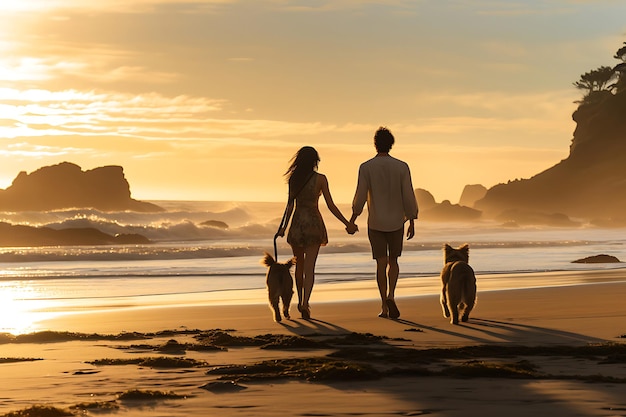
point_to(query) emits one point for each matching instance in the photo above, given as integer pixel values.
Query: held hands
(352, 228)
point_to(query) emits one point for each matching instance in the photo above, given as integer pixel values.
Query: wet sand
(551, 350)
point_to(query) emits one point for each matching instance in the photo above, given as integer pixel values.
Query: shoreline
(352, 306)
(29, 315)
(540, 352)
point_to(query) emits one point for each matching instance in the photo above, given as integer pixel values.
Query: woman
(307, 232)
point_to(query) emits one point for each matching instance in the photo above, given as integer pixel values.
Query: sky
(209, 99)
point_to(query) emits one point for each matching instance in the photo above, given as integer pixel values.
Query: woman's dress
(307, 226)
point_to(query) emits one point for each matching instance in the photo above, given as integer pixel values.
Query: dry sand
(557, 351)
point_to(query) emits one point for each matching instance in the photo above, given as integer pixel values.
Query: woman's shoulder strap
(306, 181)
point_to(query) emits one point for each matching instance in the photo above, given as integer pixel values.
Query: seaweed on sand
(39, 411)
(265, 341)
(48, 336)
(96, 406)
(172, 347)
(310, 369)
(292, 342)
(223, 386)
(224, 338)
(357, 339)
(155, 362)
(392, 354)
(13, 360)
(483, 369)
(147, 395)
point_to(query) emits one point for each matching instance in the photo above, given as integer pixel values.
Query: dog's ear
(465, 250)
(291, 262)
(268, 260)
(447, 251)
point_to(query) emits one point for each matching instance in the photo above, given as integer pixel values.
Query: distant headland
(590, 183)
(588, 186)
(66, 185)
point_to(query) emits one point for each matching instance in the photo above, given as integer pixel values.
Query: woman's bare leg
(299, 273)
(310, 258)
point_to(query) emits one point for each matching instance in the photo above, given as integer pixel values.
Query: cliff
(472, 193)
(66, 185)
(590, 183)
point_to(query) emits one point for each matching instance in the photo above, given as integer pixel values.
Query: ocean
(203, 248)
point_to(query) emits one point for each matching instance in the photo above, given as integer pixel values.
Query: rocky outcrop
(66, 185)
(597, 259)
(21, 235)
(589, 184)
(425, 200)
(471, 194)
(430, 210)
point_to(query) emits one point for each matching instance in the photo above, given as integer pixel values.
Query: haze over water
(209, 263)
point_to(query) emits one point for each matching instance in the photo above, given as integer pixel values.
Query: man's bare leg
(381, 279)
(392, 276)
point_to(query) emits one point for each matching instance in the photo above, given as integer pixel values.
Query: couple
(385, 183)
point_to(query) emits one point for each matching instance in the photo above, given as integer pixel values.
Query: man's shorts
(386, 243)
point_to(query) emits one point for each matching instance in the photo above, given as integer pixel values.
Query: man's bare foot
(394, 313)
(384, 311)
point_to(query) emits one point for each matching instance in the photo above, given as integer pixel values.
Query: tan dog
(279, 284)
(459, 283)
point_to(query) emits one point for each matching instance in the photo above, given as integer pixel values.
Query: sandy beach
(550, 350)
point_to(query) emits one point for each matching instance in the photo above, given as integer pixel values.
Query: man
(385, 183)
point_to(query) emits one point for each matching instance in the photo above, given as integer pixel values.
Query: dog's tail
(268, 260)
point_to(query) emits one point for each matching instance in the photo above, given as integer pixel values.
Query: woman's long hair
(302, 164)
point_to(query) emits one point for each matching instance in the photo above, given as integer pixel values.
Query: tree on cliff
(597, 83)
(591, 182)
(620, 69)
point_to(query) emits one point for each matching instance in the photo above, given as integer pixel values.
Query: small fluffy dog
(279, 284)
(459, 283)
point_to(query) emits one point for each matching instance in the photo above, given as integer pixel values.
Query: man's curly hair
(383, 140)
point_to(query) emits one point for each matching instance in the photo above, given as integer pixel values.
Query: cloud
(123, 6)
(24, 149)
(100, 66)
(29, 69)
(151, 116)
(70, 112)
(203, 121)
(504, 104)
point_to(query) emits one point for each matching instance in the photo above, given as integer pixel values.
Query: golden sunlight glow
(25, 69)
(43, 5)
(24, 5)
(184, 97)
(38, 5)
(16, 310)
